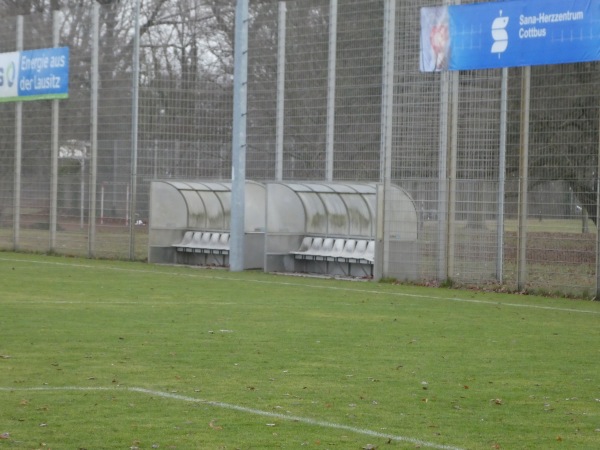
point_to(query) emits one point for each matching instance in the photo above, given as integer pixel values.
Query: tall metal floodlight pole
(385, 151)
(94, 129)
(331, 69)
(238, 172)
(134, 127)
(281, 26)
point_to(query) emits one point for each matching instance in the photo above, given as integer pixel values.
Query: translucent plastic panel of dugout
(329, 211)
(334, 209)
(178, 207)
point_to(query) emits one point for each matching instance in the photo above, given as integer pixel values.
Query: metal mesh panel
(8, 36)
(477, 175)
(305, 110)
(561, 234)
(36, 149)
(262, 92)
(358, 90)
(416, 141)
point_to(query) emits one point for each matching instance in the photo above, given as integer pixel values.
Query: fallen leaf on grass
(214, 426)
(5, 436)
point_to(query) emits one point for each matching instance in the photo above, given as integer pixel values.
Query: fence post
(452, 160)
(442, 212)
(331, 69)
(523, 178)
(18, 151)
(94, 129)
(238, 175)
(54, 147)
(134, 127)
(501, 177)
(281, 31)
(381, 268)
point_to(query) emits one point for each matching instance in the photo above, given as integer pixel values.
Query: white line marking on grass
(258, 412)
(335, 288)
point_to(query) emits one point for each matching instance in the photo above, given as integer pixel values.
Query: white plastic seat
(224, 243)
(348, 251)
(369, 255)
(315, 247)
(187, 238)
(196, 241)
(214, 240)
(360, 249)
(205, 239)
(337, 249)
(305, 245)
(224, 240)
(326, 249)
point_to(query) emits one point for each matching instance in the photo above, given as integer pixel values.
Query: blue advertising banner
(34, 74)
(509, 34)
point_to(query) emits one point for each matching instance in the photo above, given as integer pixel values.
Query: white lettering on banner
(49, 82)
(25, 84)
(533, 32)
(57, 61)
(37, 64)
(567, 16)
(543, 18)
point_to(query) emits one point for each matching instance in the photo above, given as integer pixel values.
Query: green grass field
(118, 355)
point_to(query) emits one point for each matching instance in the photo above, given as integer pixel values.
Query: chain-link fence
(334, 94)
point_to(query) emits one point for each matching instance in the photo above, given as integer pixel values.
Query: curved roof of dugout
(203, 205)
(338, 209)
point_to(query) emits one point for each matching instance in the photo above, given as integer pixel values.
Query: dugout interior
(182, 208)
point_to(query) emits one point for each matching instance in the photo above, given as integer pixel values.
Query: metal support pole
(451, 231)
(331, 69)
(94, 129)
(442, 212)
(501, 177)
(134, 128)
(451, 174)
(18, 151)
(54, 149)
(381, 268)
(281, 31)
(523, 179)
(238, 175)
